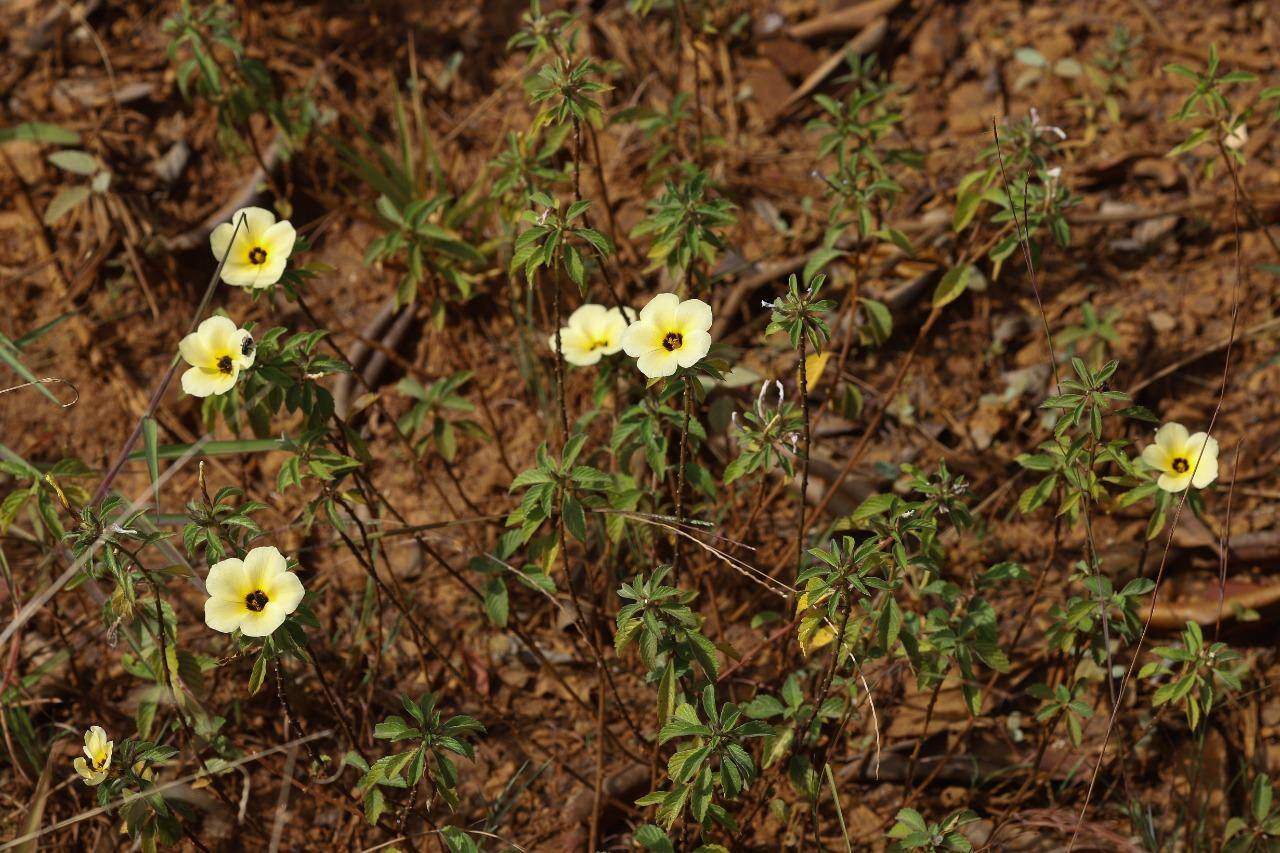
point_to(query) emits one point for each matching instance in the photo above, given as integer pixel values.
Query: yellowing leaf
(813, 367)
(814, 632)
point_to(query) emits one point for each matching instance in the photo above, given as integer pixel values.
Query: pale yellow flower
(258, 255)
(1181, 458)
(590, 333)
(669, 334)
(254, 594)
(217, 351)
(98, 750)
(1236, 137)
(142, 771)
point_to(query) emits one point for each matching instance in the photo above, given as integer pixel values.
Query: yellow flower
(254, 594)
(217, 351)
(98, 750)
(142, 771)
(668, 335)
(1182, 458)
(592, 332)
(257, 256)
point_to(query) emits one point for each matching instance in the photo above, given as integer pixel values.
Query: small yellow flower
(98, 750)
(669, 334)
(592, 332)
(261, 248)
(254, 594)
(1182, 458)
(217, 351)
(142, 771)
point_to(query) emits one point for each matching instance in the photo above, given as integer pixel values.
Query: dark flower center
(1181, 466)
(224, 364)
(257, 255)
(256, 601)
(673, 341)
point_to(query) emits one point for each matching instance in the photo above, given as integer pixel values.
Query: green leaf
(952, 286)
(1030, 56)
(871, 507)
(39, 131)
(818, 260)
(879, 320)
(496, 601)
(64, 202)
(395, 728)
(653, 839)
(575, 520)
(76, 162)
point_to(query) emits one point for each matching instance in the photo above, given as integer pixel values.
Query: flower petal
(224, 615)
(199, 382)
(693, 315)
(220, 239)
(587, 317)
(217, 332)
(284, 591)
(661, 311)
(257, 221)
(1202, 451)
(195, 351)
(239, 274)
(237, 347)
(270, 272)
(263, 623)
(1205, 473)
(278, 240)
(227, 579)
(1156, 456)
(657, 362)
(261, 565)
(1174, 482)
(641, 338)
(1172, 437)
(694, 347)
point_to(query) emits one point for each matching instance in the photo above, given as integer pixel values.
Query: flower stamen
(256, 601)
(673, 341)
(1181, 465)
(224, 364)
(257, 255)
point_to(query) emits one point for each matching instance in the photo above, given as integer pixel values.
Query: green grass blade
(153, 462)
(216, 448)
(9, 355)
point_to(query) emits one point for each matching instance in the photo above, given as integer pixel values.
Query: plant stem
(559, 368)
(804, 459)
(338, 710)
(289, 715)
(924, 734)
(684, 450)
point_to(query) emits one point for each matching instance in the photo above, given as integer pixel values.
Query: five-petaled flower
(97, 749)
(217, 351)
(1182, 458)
(257, 255)
(669, 334)
(591, 333)
(254, 594)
